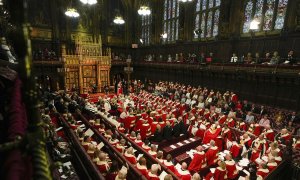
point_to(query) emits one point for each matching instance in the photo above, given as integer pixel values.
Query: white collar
(272, 164)
(183, 172)
(214, 148)
(140, 166)
(263, 170)
(168, 163)
(128, 155)
(230, 162)
(152, 175)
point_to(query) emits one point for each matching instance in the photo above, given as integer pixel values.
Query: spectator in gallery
(248, 58)
(169, 58)
(267, 58)
(181, 57)
(249, 118)
(201, 58)
(234, 58)
(264, 121)
(290, 58)
(275, 59)
(257, 59)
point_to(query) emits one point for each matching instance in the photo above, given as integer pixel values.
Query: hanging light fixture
(119, 19)
(144, 11)
(72, 12)
(185, 1)
(89, 2)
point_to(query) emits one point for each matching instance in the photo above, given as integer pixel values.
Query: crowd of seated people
(173, 104)
(175, 109)
(275, 59)
(267, 59)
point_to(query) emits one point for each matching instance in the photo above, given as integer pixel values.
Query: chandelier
(119, 20)
(89, 2)
(72, 12)
(144, 11)
(185, 1)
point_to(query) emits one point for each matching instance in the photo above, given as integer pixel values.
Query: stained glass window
(281, 10)
(207, 18)
(171, 20)
(269, 13)
(146, 29)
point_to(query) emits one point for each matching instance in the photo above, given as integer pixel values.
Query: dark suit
(176, 130)
(167, 132)
(158, 136)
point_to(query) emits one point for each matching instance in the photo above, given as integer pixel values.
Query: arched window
(146, 29)
(269, 13)
(171, 20)
(207, 18)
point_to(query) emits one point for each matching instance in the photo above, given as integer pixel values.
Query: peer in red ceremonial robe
(211, 134)
(211, 154)
(235, 149)
(263, 171)
(219, 174)
(232, 172)
(198, 161)
(141, 166)
(183, 173)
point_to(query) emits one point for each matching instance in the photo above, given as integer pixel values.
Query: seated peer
(121, 146)
(113, 171)
(91, 150)
(158, 135)
(132, 136)
(152, 175)
(273, 147)
(232, 172)
(269, 133)
(220, 172)
(167, 131)
(153, 150)
(142, 166)
(272, 164)
(129, 155)
(169, 164)
(102, 164)
(176, 129)
(122, 174)
(196, 176)
(146, 146)
(283, 137)
(139, 141)
(113, 140)
(160, 156)
(86, 142)
(183, 173)
(168, 177)
(262, 171)
(211, 153)
(198, 161)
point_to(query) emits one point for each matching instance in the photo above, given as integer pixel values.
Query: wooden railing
(85, 158)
